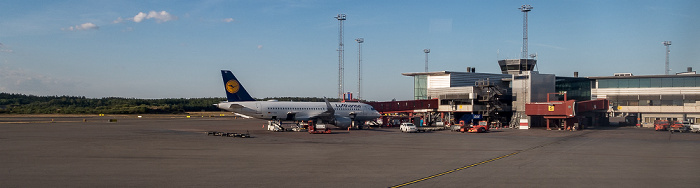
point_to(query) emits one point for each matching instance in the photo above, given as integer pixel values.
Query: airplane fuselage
(344, 113)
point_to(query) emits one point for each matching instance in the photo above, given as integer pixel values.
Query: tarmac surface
(174, 151)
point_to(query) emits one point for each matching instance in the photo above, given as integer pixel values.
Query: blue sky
(174, 49)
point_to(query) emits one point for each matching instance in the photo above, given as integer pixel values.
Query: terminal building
(499, 98)
(460, 93)
(445, 97)
(643, 99)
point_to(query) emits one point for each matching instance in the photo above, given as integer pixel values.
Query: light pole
(668, 52)
(525, 9)
(341, 65)
(359, 67)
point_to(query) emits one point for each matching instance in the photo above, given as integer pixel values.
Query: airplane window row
(347, 109)
(284, 108)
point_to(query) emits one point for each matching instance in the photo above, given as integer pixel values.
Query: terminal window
(655, 100)
(649, 82)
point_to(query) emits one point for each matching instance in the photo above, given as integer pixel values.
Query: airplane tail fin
(234, 89)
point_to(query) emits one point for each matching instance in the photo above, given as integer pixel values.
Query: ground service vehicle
(226, 134)
(677, 126)
(408, 128)
(482, 127)
(695, 128)
(661, 125)
(317, 128)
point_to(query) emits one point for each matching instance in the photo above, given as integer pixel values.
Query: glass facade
(649, 82)
(578, 89)
(654, 100)
(643, 99)
(420, 87)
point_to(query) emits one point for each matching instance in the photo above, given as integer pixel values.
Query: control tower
(516, 66)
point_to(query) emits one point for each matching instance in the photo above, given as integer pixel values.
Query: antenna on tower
(525, 9)
(534, 56)
(341, 66)
(668, 52)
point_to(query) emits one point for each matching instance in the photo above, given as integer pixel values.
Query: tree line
(31, 104)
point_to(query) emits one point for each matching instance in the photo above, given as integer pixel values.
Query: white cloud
(88, 26)
(260, 46)
(118, 20)
(85, 26)
(228, 20)
(161, 16)
(139, 17)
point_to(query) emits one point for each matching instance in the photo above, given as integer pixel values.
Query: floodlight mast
(341, 66)
(426, 51)
(668, 52)
(359, 67)
(525, 9)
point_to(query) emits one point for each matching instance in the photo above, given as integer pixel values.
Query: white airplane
(336, 113)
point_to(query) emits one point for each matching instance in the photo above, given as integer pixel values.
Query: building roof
(443, 73)
(646, 76)
(440, 73)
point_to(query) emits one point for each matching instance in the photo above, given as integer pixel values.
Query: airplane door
(258, 109)
(290, 116)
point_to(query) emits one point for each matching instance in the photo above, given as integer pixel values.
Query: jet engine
(342, 122)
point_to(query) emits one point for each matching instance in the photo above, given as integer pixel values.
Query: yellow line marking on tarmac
(455, 170)
(484, 162)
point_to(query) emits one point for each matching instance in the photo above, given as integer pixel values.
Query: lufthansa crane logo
(232, 86)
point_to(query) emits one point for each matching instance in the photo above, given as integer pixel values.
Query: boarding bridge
(569, 114)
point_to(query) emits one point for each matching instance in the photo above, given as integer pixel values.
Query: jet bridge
(409, 108)
(568, 114)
